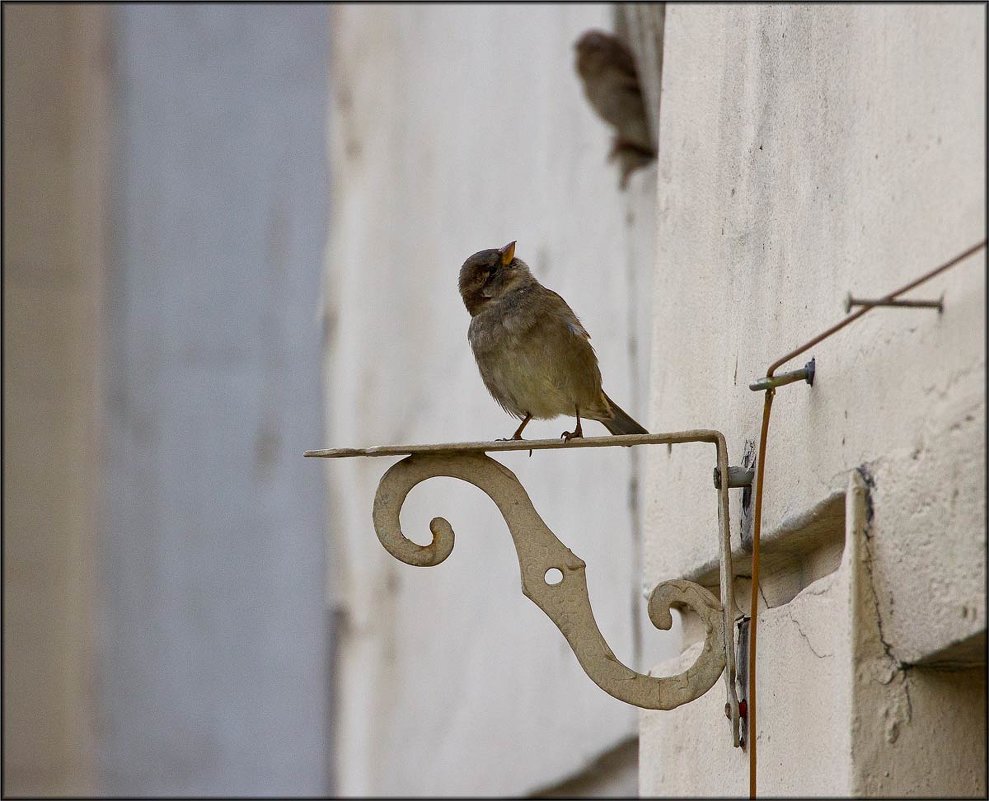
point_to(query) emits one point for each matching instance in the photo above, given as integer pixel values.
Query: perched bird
(533, 353)
(629, 159)
(611, 84)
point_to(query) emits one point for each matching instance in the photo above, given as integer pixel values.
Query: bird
(534, 356)
(611, 85)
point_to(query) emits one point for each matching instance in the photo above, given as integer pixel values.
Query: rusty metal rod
(912, 304)
(891, 296)
(760, 480)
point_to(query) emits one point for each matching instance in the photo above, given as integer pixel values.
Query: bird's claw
(566, 436)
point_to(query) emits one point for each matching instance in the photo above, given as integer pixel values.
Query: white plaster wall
(807, 152)
(454, 129)
(688, 751)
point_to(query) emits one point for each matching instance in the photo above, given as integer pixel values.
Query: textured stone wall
(807, 153)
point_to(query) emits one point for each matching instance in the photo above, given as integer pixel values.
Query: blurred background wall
(56, 111)
(454, 129)
(166, 628)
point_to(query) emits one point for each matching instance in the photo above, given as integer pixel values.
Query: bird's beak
(507, 254)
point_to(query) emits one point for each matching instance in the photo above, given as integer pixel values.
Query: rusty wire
(760, 473)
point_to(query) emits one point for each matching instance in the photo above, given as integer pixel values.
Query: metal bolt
(742, 709)
(737, 477)
(805, 373)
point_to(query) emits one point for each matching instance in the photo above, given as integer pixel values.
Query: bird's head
(597, 52)
(489, 274)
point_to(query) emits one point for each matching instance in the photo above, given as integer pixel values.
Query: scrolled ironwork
(565, 601)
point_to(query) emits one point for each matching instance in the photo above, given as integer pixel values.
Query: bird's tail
(619, 422)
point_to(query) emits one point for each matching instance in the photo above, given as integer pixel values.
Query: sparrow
(534, 355)
(611, 85)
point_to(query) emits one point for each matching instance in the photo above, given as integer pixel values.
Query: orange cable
(754, 602)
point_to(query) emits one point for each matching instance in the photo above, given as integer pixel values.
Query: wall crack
(895, 664)
(805, 637)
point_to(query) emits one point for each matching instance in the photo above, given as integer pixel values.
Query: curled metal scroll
(565, 602)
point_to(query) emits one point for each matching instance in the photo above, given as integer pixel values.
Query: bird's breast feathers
(535, 357)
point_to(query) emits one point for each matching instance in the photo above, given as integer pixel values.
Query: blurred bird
(533, 353)
(611, 84)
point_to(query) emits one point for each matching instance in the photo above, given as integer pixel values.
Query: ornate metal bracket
(563, 596)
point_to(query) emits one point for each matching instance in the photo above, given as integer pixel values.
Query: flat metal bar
(492, 446)
(727, 582)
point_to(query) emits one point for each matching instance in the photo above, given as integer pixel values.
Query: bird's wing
(561, 309)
